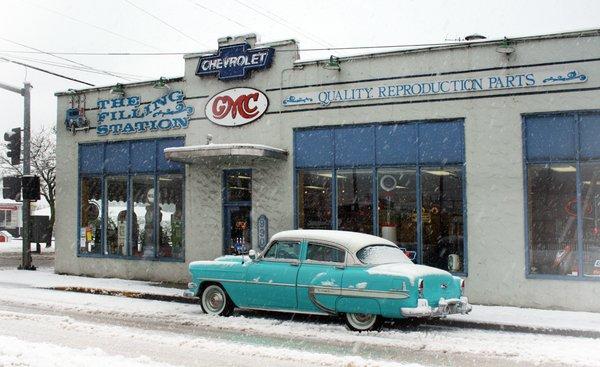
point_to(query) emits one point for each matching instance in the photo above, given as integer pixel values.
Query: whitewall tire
(363, 322)
(215, 301)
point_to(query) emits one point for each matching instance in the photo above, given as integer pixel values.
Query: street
(43, 327)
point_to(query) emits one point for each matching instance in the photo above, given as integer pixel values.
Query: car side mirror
(252, 254)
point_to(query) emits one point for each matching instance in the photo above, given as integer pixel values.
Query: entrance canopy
(219, 152)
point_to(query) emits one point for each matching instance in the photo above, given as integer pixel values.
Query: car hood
(410, 271)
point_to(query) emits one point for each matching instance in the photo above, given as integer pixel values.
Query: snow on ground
(15, 245)
(139, 347)
(17, 352)
(535, 318)
(46, 278)
(566, 320)
(510, 347)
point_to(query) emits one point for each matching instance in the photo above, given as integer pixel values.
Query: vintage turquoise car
(362, 277)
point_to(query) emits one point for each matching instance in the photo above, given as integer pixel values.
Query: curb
(434, 322)
(128, 294)
(481, 325)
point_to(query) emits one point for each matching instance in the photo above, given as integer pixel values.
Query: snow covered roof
(198, 153)
(353, 241)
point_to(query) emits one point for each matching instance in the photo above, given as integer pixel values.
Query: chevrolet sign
(235, 61)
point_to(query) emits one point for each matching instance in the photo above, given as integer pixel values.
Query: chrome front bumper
(445, 307)
(191, 291)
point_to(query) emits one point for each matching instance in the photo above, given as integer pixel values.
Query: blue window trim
(129, 175)
(375, 168)
(577, 162)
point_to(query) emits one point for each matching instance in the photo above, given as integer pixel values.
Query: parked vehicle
(362, 277)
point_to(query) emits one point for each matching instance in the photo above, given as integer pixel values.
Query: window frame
(276, 259)
(129, 174)
(578, 183)
(374, 166)
(306, 260)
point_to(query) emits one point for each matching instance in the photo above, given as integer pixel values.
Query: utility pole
(26, 93)
(26, 256)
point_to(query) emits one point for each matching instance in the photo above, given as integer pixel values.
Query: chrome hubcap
(214, 300)
(361, 320)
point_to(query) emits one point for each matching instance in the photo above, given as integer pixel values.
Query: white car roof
(353, 241)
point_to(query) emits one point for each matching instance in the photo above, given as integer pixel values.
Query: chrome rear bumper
(445, 307)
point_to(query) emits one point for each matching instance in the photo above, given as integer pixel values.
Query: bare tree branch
(43, 164)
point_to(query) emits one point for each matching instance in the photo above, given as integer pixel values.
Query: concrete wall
(494, 160)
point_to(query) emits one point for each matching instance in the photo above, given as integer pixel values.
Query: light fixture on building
(438, 172)
(118, 89)
(562, 169)
(505, 47)
(161, 84)
(333, 63)
(475, 37)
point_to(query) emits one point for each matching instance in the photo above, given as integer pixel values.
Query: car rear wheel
(363, 321)
(215, 301)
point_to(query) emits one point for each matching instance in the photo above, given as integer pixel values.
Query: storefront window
(397, 207)
(314, 199)
(170, 216)
(402, 165)
(355, 200)
(590, 194)
(442, 217)
(118, 183)
(552, 202)
(90, 227)
(142, 236)
(116, 222)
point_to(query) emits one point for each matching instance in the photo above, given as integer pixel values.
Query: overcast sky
(195, 25)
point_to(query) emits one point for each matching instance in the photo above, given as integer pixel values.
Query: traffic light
(31, 188)
(13, 137)
(11, 187)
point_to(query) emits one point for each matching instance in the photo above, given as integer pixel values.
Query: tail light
(420, 286)
(462, 286)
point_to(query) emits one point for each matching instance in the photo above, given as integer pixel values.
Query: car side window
(283, 250)
(319, 252)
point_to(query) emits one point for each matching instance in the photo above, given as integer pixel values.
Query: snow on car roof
(354, 241)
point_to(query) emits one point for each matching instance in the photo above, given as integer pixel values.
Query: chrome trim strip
(333, 291)
(353, 292)
(347, 292)
(319, 305)
(248, 282)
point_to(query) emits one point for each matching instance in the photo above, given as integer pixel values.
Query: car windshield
(382, 254)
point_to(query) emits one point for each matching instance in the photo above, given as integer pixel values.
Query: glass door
(237, 211)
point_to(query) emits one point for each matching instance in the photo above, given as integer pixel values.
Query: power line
(65, 59)
(46, 71)
(349, 48)
(219, 14)
(295, 28)
(93, 25)
(279, 22)
(66, 66)
(163, 22)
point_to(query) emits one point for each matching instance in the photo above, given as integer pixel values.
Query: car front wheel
(215, 301)
(363, 321)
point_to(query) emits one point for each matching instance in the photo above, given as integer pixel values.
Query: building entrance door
(237, 210)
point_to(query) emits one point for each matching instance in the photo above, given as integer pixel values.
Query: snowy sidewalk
(482, 317)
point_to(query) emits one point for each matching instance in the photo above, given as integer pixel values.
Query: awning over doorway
(218, 152)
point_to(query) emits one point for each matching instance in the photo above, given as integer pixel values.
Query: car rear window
(381, 254)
